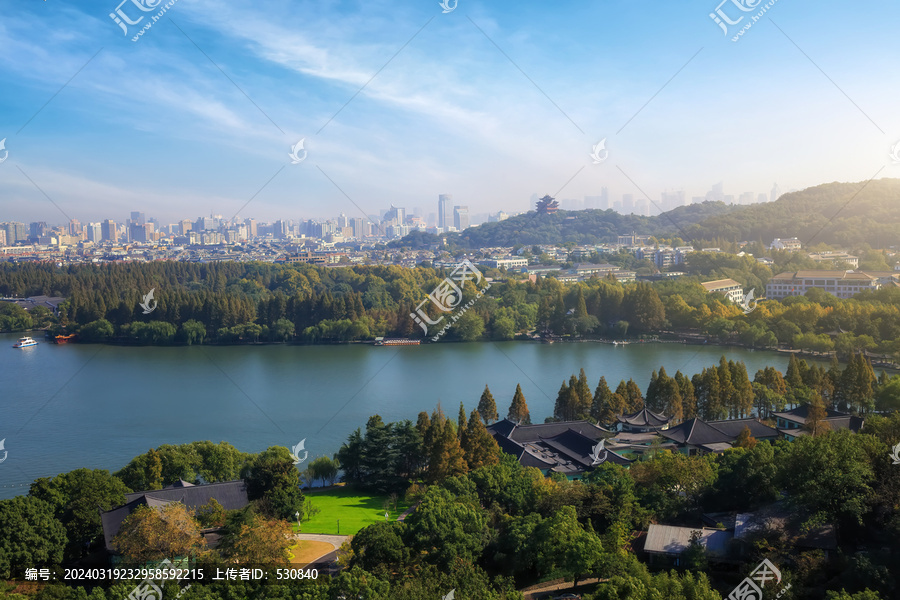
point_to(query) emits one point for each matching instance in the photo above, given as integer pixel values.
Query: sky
(398, 102)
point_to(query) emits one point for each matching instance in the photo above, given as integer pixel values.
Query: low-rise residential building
(843, 284)
(504, 263)
(792, 244)
(730, 288)
(835, 257)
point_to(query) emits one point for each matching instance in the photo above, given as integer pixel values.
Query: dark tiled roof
(503, 427)
(532, 433)
(644, 418)
(232, 495)
(734, 427)
(696, 433)
(800, 413)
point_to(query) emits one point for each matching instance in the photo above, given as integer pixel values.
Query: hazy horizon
(491, 103)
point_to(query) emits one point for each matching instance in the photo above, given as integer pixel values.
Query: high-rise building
(360, 227)
(108, 231)
(627, 204)
(445, 211)
(185, 226)
(15, 232)
(395, 214)
(37, 230)
(136, 232)
(775, 193)
(252, 229)
(461, 217)
(138, 218)
(762, 198)
(95, 233)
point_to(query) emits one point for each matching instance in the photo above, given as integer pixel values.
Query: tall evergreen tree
(479, 447)
(727, 398)
(518, 409)
(446, 457)
(688, 396)
(584, 397)
(603, 410)
(487, 408)
(461, 422)
(815, 417)
(651, 398)
(743, 389)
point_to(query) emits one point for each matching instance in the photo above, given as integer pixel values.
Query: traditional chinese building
(643, 421)
(567, 447)
(547, 205)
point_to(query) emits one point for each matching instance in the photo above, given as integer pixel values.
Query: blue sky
(154, 126)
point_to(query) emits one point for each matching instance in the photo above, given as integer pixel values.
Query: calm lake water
(71, 406)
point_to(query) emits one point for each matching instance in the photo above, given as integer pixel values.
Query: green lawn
(352, 508)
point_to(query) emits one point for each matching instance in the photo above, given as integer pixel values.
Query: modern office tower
(627, 204)
(185, 226)
(445, 211)
(108, 231)
(136, 233)
(15, 232)
(138, 217)
(95, 233)
(746, 198)
(2, 237)
(343, 221)
(281, 229)
(762, 198)
(252, 229)
(672, 199)
(360, 227)
(205, 224)
(395, 214)
(775, 193)
(461, 217)
(37, 230)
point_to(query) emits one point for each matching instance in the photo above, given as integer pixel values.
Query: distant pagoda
(547, 206)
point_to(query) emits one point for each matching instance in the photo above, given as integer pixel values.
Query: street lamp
(297, 514)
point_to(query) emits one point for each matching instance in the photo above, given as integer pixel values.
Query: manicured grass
(353, 508)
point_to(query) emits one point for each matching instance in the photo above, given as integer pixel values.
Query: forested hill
(843, 214)
(584, 226)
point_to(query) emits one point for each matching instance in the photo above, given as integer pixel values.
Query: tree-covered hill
(584, 226)
(842, 214)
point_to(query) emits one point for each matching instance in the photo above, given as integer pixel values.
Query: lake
(96, 406)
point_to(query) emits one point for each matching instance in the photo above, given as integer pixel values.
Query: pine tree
(518, 409)
(602, 409)
(815, 417)
(461, 422)
(633, 396)
(487, 408)
(745, 439)
(794, 377)
(743, 389)
(446, 457)
(561, 407)
(651, 398)
(688, 396)
(479, 446)
(670, 399)
(727, 398)
(584, 397)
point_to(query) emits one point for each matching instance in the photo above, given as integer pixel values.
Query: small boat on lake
(24, 342)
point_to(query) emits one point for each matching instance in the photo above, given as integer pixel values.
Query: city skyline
(395, 104)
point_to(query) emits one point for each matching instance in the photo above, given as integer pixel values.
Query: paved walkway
(555, 589)
(408, 512)
(334, 540)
